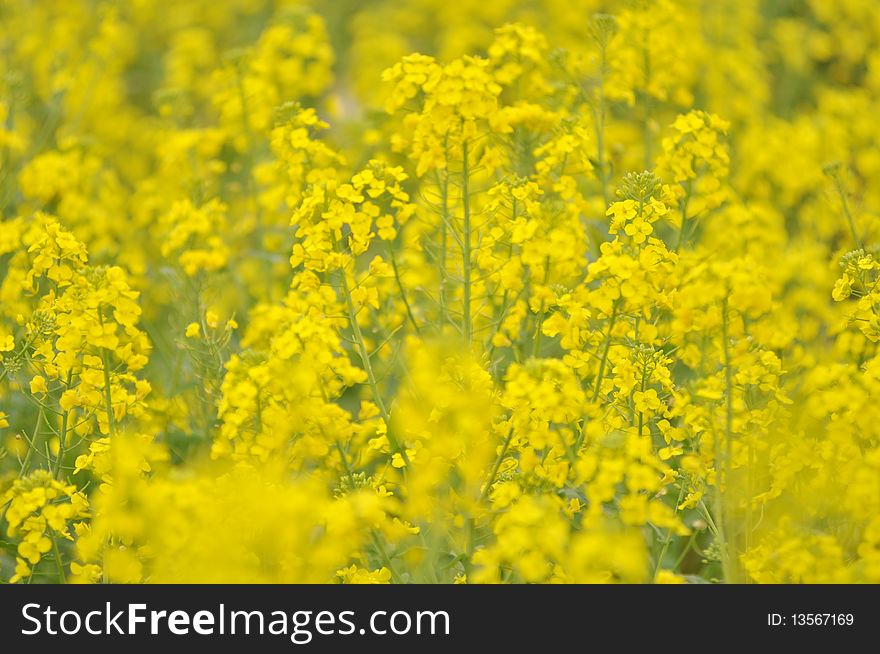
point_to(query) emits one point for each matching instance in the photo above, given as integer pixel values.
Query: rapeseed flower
(423, 292)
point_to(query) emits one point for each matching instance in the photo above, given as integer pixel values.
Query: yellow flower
(38, 385)
(842, 288)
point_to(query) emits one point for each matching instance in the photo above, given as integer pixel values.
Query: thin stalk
(32, 445)
(642, 383)
(348, 469)
(496, 466)
(724, 473)
(108, 397)
(406, 304)
(536, 339)
(368, 367)
(600, 127)
(62, 437)
(467, 327)
(846, 212)
(58, 562)
(606, 347)
(536, 344)
(377, 543)
(646, 60)
(684, 207)
(470, 545)
(668, 538)
(471, 525)
(718, 532)
(6, 158)
(684, 551)
(751, 492)
(443, 184)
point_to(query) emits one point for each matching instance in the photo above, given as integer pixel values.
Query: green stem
(536, 343)
(62, 439)
(406, 304)
(642, 389)
(368, 367)
(724, 473)
(386, 558)
(108, 397)
(32, 445)
(684, 551)
(536, 339)
(7, 189)
(846, 212)
(467, 327)
(646, 60)
(668, 538)
(605, 349)
(348, 469)
(498, 460)
(58, 562)
(684, 207)
(600, 127)
(750, 493)
(443, 184)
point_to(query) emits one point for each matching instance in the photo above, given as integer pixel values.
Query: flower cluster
(420, 293)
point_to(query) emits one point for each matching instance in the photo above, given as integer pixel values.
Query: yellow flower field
(486, 291)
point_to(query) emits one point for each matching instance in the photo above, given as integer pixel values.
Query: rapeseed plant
(473, 292)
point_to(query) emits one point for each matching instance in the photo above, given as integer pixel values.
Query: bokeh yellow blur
(482, 291)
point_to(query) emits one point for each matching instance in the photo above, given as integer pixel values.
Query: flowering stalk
(684, 207)
(723, 476)
(646, 126)
(443, 184)
(368, 367)
(32, 445)
(62, 437)
(604, 29)
(607, 346)
(668, 539)
(841, 193)
(59, 564)
(409, 312)
(495, 466)
(467, 327)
